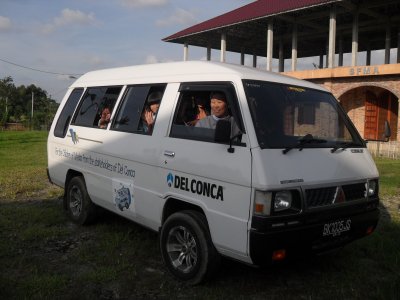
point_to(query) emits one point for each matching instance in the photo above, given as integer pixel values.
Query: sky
(76, 36)
(72, 37)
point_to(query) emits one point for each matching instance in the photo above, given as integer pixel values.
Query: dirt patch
(390, 207)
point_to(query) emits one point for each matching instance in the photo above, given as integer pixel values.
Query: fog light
(279, 255)
(282, 201)
(371, 188)
(370, 230)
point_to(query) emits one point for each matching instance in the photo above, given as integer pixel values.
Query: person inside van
(105, 117)
(201, 109)
(192, 110)
(150, 112)
(219, 111)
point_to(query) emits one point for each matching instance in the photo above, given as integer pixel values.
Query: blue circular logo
(170, 179)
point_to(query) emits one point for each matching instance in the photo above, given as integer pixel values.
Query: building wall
(349, 85)
(353, 103)
(339, 86)
(342, 89)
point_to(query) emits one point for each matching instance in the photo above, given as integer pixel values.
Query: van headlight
(277, 203)
(282, 201)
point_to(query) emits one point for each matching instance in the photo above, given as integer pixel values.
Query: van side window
(138, 109)
(94, 103)
(61, 127)
(201, 106)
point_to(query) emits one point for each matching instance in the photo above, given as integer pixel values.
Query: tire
(186, 247)
(80, 209)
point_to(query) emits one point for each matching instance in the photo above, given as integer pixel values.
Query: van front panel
(315, 184)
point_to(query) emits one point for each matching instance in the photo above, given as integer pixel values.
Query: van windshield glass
(296, 117)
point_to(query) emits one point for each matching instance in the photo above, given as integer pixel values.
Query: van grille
(326, 196)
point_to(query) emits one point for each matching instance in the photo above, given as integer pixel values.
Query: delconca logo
(170, 179)
(194, 186)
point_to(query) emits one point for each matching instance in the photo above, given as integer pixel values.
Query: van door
(195, 169)
(86, 146)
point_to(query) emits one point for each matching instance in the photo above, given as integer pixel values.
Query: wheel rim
(182, 249)
(75, 201)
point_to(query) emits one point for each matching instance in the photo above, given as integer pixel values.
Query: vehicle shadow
(349, 272)
(352, 271)
(129, 255)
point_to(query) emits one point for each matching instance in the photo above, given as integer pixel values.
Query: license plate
(336, 228)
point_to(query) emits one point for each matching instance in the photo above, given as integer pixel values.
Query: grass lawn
(23, 166)
(44, 256)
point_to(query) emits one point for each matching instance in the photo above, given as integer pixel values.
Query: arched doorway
(369, 107)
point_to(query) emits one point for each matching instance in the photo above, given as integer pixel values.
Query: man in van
(219, 111)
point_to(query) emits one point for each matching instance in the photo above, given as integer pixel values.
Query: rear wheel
(186, 247)
(80, 208)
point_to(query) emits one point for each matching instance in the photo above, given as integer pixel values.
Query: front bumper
(303, 234)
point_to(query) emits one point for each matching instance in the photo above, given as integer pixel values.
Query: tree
(18, 101)
(7, 92)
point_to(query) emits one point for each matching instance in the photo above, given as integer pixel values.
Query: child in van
(193, 110)
(105, 117)
(150, 112)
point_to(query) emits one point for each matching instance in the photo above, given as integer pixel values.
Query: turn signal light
(279, 255)
(259, 208)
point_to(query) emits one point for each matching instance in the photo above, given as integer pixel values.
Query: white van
(283, 172)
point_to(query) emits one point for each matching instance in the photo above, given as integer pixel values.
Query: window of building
(306, 114)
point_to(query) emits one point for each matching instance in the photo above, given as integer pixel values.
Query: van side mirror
(223, 131)
(388, 132)
(223, 134)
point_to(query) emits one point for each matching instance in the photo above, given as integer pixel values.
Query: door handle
(169, 153)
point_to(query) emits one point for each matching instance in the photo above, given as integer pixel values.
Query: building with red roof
(337, 34)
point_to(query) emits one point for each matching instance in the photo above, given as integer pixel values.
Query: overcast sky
(77, 36)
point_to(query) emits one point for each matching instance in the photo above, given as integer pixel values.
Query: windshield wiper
(307, 139)
(343, 145)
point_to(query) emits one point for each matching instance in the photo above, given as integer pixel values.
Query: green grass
(23, 166)
(45, 256)
(389, 176)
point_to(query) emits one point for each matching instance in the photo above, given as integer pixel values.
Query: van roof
(184, 71)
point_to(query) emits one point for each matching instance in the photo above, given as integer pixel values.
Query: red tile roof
(254, 10)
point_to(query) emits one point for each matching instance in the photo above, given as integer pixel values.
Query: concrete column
(281, 58)
(254, 60)
(398, 46)
(354, 42)
(185, 51)
(208, 53)
(387, 45)
(332, 37)
(368, 60)
(294, 47)
(223, 47)
(270, 39)
(242, 57)
(327, 56)
(340, 64)
(398, 125)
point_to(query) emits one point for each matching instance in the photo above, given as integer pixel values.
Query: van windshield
(290, 117)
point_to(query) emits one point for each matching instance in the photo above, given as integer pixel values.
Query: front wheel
(80, 208)
(186, 247)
